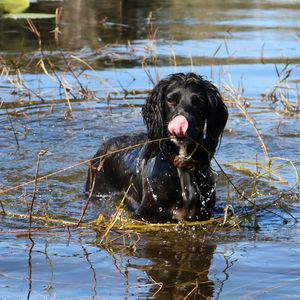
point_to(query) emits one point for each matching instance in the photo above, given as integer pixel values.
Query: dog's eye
(172, 100)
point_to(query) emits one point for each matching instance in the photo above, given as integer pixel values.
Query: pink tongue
(178, 126)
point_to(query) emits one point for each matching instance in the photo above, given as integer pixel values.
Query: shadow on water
(98, 77)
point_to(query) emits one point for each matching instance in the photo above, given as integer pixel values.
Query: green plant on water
(13, 6)
(14, 9)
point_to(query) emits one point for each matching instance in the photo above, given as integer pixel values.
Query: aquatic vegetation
(283, 95)
(13, 6)
(14, 9)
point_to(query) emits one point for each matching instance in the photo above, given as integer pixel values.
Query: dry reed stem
(238, 166)
(141, 227)
(21, 85)
(116, 215)
(126, 226)
(60, 79)
(45, 219)
(12, 127)
(159, 284)
(56, 30)
(241, 194)
(67, 64)
(150, 50)
(193, 291)
(237, 97)
(91, 190)
(34, 30)
(40, 154)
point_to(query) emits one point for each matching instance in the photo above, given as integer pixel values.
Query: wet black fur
(161, 191)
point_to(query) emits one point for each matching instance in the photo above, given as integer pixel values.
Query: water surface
(106, 48)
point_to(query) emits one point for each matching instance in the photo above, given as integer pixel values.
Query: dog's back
(114, 163)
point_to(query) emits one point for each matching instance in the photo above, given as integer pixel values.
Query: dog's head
(186, 107)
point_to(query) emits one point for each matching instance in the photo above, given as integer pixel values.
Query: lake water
(108, 48)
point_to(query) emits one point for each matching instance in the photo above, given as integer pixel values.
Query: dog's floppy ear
(216, 119)
(153, 113)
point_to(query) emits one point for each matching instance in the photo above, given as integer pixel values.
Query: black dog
(170, 173)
